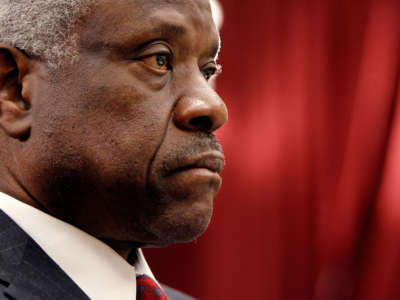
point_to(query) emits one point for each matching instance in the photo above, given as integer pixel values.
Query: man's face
(121, 143)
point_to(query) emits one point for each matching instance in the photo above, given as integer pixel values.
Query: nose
(200, 110)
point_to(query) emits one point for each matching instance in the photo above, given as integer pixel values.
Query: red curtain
(310, 204)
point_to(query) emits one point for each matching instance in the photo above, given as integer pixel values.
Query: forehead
(121, 22)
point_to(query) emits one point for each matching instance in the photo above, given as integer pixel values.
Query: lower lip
(199, 172)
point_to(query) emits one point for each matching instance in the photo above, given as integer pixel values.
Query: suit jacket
(28, 273)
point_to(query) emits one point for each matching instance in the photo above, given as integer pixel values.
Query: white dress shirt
(96, 268)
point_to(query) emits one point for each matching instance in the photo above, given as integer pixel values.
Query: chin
(178, 210)
(180, 224)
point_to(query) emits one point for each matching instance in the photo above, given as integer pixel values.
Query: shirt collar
(96, 268)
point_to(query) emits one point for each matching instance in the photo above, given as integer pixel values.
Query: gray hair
(42, 28)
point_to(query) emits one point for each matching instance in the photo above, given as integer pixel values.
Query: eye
(159, 61)
(155, 56)
(211, 70)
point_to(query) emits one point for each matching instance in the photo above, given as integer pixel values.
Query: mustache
(197, 145)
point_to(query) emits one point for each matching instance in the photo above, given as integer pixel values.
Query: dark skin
(120, 144)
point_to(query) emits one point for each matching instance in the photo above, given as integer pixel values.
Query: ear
(15, 103)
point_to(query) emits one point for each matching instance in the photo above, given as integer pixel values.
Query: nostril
(201, 123)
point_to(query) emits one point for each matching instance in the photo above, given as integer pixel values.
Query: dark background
(310, 203)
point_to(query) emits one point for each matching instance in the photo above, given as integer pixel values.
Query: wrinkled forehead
(117, 21)
(196, 7)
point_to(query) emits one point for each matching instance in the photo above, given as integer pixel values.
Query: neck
(9, 184)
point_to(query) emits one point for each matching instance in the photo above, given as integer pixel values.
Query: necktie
(148, 289)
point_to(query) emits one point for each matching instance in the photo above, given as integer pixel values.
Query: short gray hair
(42, 28)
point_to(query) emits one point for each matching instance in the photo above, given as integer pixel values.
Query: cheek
(113, 120)
(123, 125)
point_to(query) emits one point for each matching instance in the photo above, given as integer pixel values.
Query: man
(107, 120)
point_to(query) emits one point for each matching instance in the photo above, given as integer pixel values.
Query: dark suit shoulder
(27, 272)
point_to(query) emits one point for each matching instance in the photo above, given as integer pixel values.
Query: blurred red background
(310, 203)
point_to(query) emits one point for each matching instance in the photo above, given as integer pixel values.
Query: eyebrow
(169, 30)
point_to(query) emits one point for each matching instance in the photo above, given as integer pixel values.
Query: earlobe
(15, 122)
(15, 117)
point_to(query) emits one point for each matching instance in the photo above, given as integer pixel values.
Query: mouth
(211, 162)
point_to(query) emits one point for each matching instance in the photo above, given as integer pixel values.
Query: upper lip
(214, 161)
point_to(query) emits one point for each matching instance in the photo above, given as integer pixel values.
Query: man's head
(108, 115)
